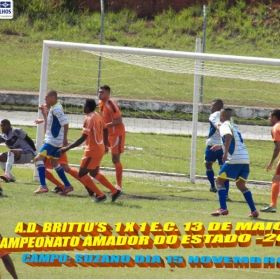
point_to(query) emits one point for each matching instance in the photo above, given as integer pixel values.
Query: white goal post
(192, 63)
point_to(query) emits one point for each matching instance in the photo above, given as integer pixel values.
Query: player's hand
(224, 158)
(106, 149)
(269, 166)
(215, 148)
(63, 150)
(65, 143)
(38, 121)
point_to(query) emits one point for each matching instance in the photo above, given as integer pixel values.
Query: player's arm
(77, 143)
(105, 139)
(30, 142)
(115, 122)
(227, 141)
(274, 155)
(65, 141)
(8, 263)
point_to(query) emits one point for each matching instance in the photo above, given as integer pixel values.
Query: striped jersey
(55, 126)
(214, 137)
(109, 110)
(237, 152)
(15, 139)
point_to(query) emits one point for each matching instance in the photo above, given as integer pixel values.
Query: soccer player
(236, 164)
(274, 118)
(63, 161)
(8, 263)
(111, 114)
(55, 137)
(214, 138)
(95, 135)
(22, 149)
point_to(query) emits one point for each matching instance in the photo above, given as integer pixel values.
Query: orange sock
(51, 178)
(119, 171)
(86, 181)
(274, 194)
(103, 181)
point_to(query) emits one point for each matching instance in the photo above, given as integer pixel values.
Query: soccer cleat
(90, 192)
(57, 189)
(66, 190)
(1, 191)
(5, 178)
(100, 198)
(219, 212)
(254, 214)
(269, 209)
(116, 195)
(214, 190)
(41, 190)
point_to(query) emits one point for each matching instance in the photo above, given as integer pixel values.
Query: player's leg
(241, 185)
(40, 159)
(11, 157)
(274, 192)
(220, 161)
(117, 148)
(209, 158)
(50, 177)
(92, 164)
(226, 172)
(61, 173)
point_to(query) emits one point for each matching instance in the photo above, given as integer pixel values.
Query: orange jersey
(110, 110)
(93, 127)
(275, 132)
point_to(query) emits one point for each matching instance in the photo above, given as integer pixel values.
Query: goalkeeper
(21, 149)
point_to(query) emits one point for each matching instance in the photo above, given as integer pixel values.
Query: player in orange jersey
(95, 135)
(8, 263)
(274, 119)
(110, 111)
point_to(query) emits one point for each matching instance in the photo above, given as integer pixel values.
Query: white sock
(10, 162)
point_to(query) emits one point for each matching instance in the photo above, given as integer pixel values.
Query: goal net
(165, 103)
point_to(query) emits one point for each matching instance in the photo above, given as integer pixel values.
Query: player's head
(51, 98)
(274, 116)
(89, 106)
(5, 125)
(216, 105)
(225, 114)
(104, 92)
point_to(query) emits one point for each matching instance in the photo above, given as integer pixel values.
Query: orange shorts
(91, 162)
(62, 160)
(116, 143)
(2, 254)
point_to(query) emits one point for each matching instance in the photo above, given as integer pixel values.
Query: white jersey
(55, 126)
(214, 137)
(237, 152)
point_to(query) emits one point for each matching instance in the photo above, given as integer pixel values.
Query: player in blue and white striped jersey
(236, 164)
(214, 138)
(55, 138)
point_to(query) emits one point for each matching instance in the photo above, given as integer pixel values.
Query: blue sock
(210, 175)
(59, 170)
(42, 173)
(222, 192)
(226, 184)
(248, 197)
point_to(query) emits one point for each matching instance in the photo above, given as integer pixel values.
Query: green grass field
(159, 199)
(167, 201)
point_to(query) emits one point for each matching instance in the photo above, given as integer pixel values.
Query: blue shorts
(234, 172)
(212, 156)
(48, 150)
